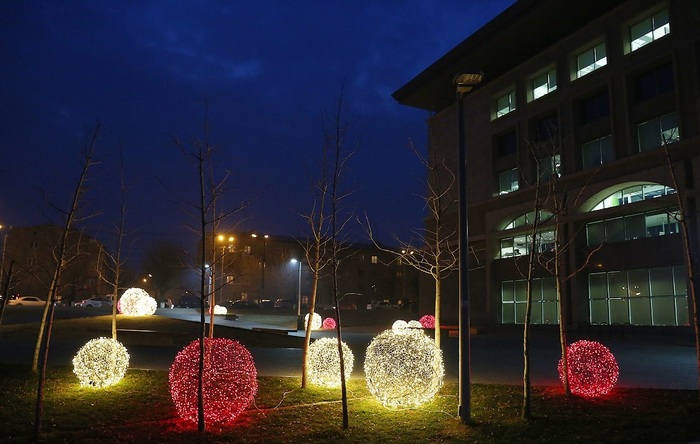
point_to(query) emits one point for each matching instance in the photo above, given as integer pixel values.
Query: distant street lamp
(463, 84)
(300, 325)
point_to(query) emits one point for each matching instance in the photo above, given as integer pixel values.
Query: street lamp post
(463, 84)
(300, 324)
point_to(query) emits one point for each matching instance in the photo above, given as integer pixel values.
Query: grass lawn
(139, 409)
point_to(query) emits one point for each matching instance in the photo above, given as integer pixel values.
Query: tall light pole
(463, 84)
(299, 322)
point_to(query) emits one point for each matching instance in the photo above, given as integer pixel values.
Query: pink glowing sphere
(229, 383)
(593, 370)
(329, 324)
(427, 321)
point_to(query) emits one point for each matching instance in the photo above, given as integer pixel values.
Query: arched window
(631, 193)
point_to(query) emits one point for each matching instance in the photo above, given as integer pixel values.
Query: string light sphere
(324, 362)
(229, 382)
(399, 325)
(414, 324)
(592, 369)
(137, 302)
(403, 368)
(316, 321)
(220, 310)
(329, 324)
(427, 321)
(101, 362)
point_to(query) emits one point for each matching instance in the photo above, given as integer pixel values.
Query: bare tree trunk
(438, 301)
(60, 258)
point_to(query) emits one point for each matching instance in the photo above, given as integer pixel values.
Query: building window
(597, 152)
(591, 59)
(633, 194)
(520, 245)
(508, 181)
(633, 226)
(544, 84)
(544, 301)
(595, 107)
(374, 259)
(529, 219)
(549, 167)
(657, 132)
(654, 83)
(646, 296)
(505, 104)
(247, 249)
(507, 144)
(651, 28)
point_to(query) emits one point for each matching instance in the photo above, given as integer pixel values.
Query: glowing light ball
(403, 368)
(593, 370)
(399, 325)
(220, 310)
(324, 362)
(137, 302)
(329, 324)
(427, 321)
(101, 362)
(229, 383)
(414, 324)
(316, 321)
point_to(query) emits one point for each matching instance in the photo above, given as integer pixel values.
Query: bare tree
(435, 250)
(204, 210)
(688, 212)
(316, 247)
(60, 256)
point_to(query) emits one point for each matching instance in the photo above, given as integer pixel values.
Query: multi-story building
(30, 253)
(256, 267)
(588, 95)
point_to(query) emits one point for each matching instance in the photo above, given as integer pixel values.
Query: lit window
(651, 28)
(549, 167)
(657, 132)
(544, 84)
(374, 259)
(508, 181)
(528, 219)
(591, 59)
(597, 152)
(543, 304)
(633, 194)
(505, 104)
(633, 226)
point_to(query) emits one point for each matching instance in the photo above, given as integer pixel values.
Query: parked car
(286, 303)
(267, 303)
(188, 301)
(95, 301)
(241, 304)
(381, 305)
(26, 300)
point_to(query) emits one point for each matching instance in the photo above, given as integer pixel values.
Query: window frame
(598, 62)
(510, 102)
(654, 31)
(550, 84)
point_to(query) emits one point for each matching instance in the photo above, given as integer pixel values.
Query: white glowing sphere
(137, 302)
(220, 310)
(403, 368)
(414, 324)
(324, 362)
(316, 321)
(399, 325)
(101, 362)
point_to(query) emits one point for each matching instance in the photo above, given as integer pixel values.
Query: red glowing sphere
(229, 383)
(427, 321)
(329, 324)
(593, 370)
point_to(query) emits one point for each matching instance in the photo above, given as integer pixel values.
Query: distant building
(256, 268)
(586, 93)
(31, 251)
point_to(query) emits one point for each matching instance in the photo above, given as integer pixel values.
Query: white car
(26, 300)
(95, 301)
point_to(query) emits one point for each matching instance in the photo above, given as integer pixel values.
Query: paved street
(665, 361)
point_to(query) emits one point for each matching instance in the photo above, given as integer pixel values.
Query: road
(650, 361)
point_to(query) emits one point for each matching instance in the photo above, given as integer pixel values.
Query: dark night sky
(268, 70)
